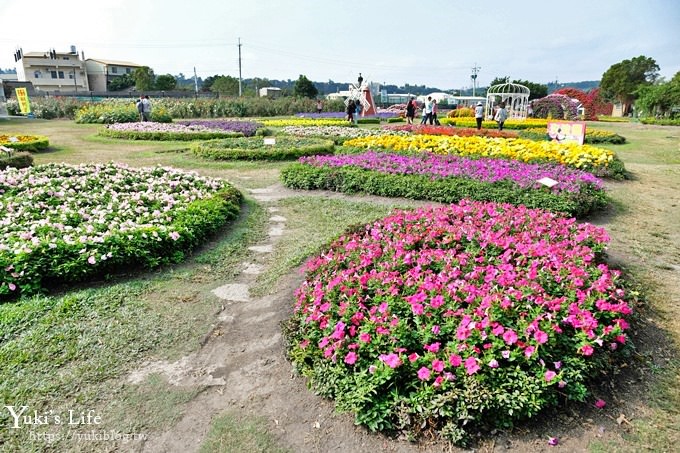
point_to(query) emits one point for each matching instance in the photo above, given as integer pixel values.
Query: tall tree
(622, 80)
(304, 88)
(144, 78)
(166, 82)
(536, 90)
(659, 98)
(225, 85)
(207, 83)
(121, 82)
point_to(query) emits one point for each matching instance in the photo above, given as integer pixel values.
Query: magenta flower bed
(458, 318)
(487, 170)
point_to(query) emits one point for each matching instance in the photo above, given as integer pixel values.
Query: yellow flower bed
(488, 124)
(24, 142)
(306, 122)
(584, 157)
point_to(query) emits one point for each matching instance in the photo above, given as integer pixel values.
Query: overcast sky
(430, 42)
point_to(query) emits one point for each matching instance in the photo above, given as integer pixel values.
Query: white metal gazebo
(513, 95)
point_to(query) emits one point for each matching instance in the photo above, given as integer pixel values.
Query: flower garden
(458, 318)
(453, 319)
(64, 224)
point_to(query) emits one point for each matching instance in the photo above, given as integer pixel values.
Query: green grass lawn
(72, 348)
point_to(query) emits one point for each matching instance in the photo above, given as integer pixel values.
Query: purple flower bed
(484, 169)
(247, 128)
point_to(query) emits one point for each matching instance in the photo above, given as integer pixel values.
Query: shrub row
(253, 148)
(593, 136)
(444, 190)
(117, 112)
(661, 121)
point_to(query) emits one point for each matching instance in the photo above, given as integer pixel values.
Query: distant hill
(8, 71)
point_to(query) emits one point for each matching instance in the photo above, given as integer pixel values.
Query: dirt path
(243, 369)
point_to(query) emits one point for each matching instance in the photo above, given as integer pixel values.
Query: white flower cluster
(60, 204)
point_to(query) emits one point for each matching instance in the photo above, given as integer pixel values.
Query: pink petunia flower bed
(458, 318)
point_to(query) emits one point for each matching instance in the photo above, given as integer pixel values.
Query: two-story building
(53, 71)
(101, 72)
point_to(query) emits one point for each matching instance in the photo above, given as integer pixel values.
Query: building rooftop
(114, 62)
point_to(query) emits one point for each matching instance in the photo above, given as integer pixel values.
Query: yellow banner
(22, 97)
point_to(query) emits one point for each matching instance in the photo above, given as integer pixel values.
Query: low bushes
(489, 124)
(16, 160)
(163, 131)
(458, 318)
(254, 148)
(448, 179)
(661, 121)
(117, 112)
(63, 223)
(20, 142)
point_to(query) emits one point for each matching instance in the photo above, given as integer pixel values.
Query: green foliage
(449, 190)
(304, 88)
(253, 148)
(144, 78)
(165, 82)
(536, 90)
(661, 121)
(368, 121)
(396, 119)
(621, 81)
(118, 112)
(225, 85)
(121, 82)
(660, 98)
(16, 160)
(48, 108)
(167, 136)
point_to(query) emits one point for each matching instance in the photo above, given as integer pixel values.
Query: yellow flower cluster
(509, 124)
(306, 122)
(584, 157)
(9, 139)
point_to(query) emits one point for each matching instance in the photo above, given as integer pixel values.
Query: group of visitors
(430, 111)
(353, 110)
(499, 116)
(144, 108)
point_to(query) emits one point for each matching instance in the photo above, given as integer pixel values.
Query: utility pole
(75, 85)
(195, 83)
(240, 92)
(475, 70)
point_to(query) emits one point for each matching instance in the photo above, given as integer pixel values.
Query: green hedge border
(169, 136)
(215, 150)
(448, 190)
(40, 143)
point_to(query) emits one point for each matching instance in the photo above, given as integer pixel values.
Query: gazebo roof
(508, 88)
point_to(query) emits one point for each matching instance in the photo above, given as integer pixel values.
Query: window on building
(114, 70)
(70, 75)
(37, 74)
(66, 58)
(54, 74)
(128, 70)
(61, 74)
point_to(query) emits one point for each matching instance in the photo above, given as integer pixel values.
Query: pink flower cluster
(445, 293)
